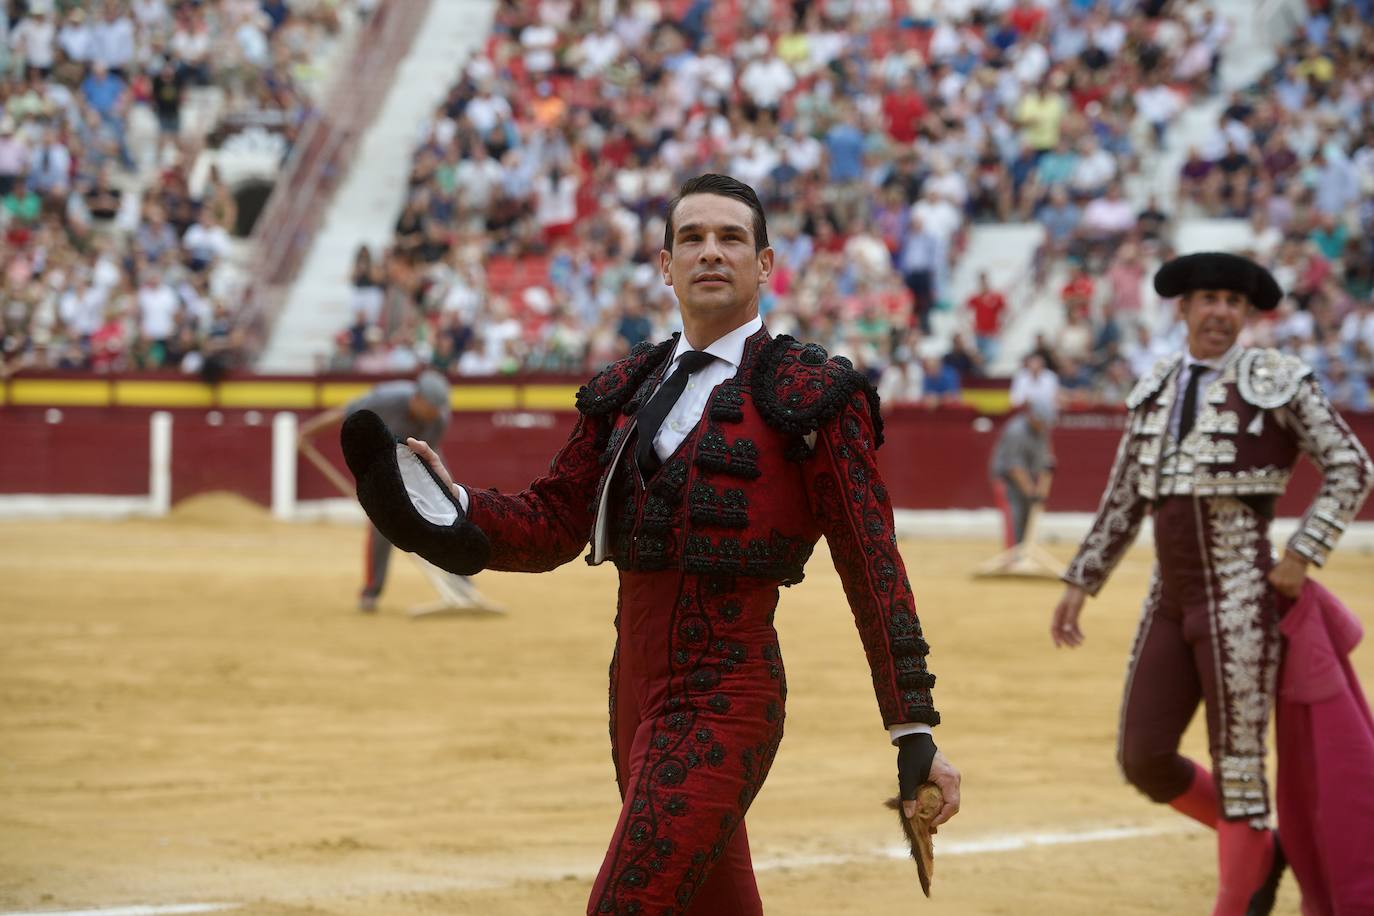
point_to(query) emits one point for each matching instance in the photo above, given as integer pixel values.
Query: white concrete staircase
(368, 201)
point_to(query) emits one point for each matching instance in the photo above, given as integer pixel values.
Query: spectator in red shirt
(1078, 292)
(987, 306)
(904, 110)
(1027, 18)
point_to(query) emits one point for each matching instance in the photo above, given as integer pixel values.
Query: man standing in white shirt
(157, 309)
(705, 468)
(205, 242)
(1035, 385)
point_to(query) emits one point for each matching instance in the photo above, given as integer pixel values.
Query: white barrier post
(284, 466)
(160, 464)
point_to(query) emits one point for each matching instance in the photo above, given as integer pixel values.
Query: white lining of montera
(428, 498)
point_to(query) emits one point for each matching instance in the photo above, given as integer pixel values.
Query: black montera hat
(1217, 270)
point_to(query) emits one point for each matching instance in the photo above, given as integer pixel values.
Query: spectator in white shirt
(1094, 170)
(82, 307)
(114, 40)
(1034, 384)
(478, 177)
(939, 217)
(77, 38)
(947, 184)
(191, 45)
(149, 14)
(34, 41)
(1357, 328)
(596, 51)
(1159, 105)
(157, 309)
(50, 167)
(766, 80)
(205, 242)
(1109, 216)
(485, 110)
(539, 42)
(14, 155)
(555, 206)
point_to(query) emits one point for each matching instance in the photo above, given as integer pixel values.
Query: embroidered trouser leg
(697, 694)
(1209, 631)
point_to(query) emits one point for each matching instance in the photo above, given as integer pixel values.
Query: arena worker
(1022, 467)
(417, 409)
(1210, 443)
(705, 468)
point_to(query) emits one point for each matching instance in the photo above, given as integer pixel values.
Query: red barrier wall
(933, 459)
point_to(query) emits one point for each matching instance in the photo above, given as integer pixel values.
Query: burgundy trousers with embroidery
(1209, 632)
(696, 715)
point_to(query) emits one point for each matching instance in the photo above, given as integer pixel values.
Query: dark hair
(725, 186)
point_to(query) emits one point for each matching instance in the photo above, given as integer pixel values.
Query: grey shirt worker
(391, 402)
(1025, 445)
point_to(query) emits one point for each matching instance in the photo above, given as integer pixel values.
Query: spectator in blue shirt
(103, 91)
(942, 384)
(1060, 217)
(1346, 390)
(844, 143)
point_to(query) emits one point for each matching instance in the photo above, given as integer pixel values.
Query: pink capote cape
(1326, 759)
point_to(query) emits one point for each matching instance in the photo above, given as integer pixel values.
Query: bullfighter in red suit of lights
(778, 447)
(1210, 443)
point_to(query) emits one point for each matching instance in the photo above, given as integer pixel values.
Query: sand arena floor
(191, 711)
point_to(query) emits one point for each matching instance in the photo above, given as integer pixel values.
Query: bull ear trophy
(929, 801)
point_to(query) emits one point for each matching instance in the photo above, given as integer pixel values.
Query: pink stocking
(1244, 856)
(1200, 800)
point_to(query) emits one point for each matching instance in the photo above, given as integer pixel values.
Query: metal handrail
(294, 210)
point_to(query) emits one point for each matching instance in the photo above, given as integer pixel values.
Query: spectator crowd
(1293, 155)
(111, 238)
(875, 132)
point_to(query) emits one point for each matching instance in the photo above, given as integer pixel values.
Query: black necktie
(1185, 421)
(652, 415)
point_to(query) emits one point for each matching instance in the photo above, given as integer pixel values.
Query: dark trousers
(1209, 633)
(376, 559)
(922, 286)
(1015, 507)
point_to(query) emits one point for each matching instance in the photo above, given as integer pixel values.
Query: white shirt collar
(1216, 365)
(729, 348)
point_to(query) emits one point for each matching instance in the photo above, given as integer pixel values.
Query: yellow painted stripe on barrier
(485, 397)
(267, 394)
(988, 400)
(163, 394)
(549, 397)
(336, 394)
(60, 392)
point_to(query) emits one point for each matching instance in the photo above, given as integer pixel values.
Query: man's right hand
(431, 458)
(1064, 629)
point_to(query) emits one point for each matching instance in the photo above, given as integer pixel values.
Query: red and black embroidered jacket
(786, 451)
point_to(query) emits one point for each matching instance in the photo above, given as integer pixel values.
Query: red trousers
(1209, 633)
(696, 715)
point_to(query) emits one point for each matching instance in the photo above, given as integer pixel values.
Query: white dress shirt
(686, 414)
(1214, 367)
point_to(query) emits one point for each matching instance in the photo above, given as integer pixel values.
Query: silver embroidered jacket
(1257, 416)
